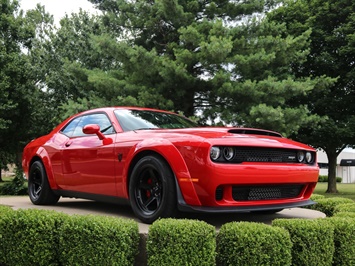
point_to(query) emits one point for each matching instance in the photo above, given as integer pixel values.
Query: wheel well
(34, 159)
(137, 158)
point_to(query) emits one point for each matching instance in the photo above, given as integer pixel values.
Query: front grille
(250, 193)
(249, 154)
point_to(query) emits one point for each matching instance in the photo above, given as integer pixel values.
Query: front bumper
(182, 206)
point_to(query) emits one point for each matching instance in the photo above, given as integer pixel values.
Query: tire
(38, 187)
(152, 189)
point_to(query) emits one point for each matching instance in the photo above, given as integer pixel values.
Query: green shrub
(245, 243)
(18, 186)
(346, 207)
(345, 214)
(328, 205)
(181, 242)
(4, 209)
(344, 240)
(29, 237)
(316, 197)
(98, 240)
(313, 240)
(324, 178)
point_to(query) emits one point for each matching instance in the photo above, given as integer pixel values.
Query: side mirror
(95, 129)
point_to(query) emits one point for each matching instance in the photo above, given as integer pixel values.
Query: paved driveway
(80, 206)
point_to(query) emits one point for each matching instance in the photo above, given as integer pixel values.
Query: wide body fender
(42, 155)
(173, 157)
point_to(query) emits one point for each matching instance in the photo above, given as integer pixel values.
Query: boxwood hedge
(246, 243)
(29, 237)
(313, 240)
(181, 242)
(98, 240)
(344, 240)
(39, 237)
(328, 205)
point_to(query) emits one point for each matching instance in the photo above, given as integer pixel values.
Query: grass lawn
(345, 190)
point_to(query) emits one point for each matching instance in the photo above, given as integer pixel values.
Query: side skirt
(96, 197)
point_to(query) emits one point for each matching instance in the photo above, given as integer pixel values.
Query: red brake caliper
(148, 193)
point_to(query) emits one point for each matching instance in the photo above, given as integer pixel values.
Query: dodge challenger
(161, 163)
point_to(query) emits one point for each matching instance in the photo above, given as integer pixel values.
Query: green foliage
(17, 186)
(331, 54)
(20, 97)
(313, 240)
(324, 178)
(181, 242)
(100, 240)
(187, 56)
(344, 214)
(245, 243)
(344, 240)
(328, 205)
(4, 209)
(38, 237)
(346, 207)
(29, 237)
(316, 197)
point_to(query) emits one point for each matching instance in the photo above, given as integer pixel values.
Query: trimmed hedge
(316, 197)
(328, 205)
(344, 214)
(346, 207)
(344, 240)
(98, 240)
(40, 237)
(324, 178)
(313, 240)
(181, 242)
(4, 209)
(246, 243)
(29, 237)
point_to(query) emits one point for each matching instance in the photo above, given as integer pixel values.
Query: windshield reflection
(147, 119)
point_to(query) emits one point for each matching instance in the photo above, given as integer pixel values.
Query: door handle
(69, 142)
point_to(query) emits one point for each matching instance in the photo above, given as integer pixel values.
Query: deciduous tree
(332, 54)
(21, 99)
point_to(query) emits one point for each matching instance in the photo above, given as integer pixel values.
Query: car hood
(227, 136)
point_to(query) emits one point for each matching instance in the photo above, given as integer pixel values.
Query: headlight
(300, 156)
(228, 153)
(309, 157)
(215, 152)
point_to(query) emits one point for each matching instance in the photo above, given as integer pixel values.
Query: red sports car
(160, 162)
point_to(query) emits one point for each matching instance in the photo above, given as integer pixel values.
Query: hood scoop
(250, 131)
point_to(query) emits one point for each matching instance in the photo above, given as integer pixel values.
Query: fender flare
(42, 154)
(163, 147)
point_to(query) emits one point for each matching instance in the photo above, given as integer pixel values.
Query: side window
(70, 128)
(75, 127)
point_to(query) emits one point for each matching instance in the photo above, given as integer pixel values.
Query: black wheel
(38, 187)
(152, 191)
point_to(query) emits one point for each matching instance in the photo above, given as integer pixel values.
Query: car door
(88, 163)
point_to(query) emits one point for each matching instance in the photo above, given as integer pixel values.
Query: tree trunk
(332, 164)
(1, 175)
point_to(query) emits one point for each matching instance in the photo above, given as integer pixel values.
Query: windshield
(147, 119)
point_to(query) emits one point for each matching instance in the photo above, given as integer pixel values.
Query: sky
(58, 8)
